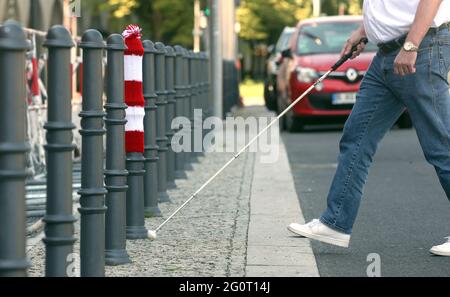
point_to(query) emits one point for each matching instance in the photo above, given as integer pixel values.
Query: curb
(272, 251)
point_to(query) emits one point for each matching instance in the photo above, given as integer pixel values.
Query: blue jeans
(381, 101)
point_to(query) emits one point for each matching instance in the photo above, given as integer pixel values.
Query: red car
(314, 49)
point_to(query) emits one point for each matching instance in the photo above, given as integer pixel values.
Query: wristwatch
(410, 47)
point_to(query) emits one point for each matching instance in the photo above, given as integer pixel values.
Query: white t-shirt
(386, 20)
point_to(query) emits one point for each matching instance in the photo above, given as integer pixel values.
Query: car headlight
(306, 75)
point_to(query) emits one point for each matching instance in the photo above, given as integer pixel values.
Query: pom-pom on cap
(132, 35)
(132, 31)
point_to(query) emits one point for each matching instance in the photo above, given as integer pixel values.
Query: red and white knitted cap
(134, 96)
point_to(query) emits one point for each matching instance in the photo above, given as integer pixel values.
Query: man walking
(410, 70)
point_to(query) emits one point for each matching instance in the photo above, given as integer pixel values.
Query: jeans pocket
(444, 59)
(424, 57)
(444, 39)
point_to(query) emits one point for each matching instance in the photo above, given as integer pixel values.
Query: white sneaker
(442, 250)
(316, 230)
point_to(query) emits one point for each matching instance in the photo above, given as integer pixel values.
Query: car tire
(293, 123)
(282, 123)
(269, 97)
(405, 122)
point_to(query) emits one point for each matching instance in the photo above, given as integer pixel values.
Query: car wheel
(293, 123)
(405, 121)
(282, 122)
(269, 97)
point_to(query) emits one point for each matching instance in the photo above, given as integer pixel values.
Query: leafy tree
(331, 7)
(263, 20)
(169, 21)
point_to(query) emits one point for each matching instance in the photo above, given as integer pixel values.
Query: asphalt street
(404, 211)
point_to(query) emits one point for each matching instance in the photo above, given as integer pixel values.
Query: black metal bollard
(208, 97)
(151, 148)
(170, 114)
(13, 149)
(192, 103)
(204, 71)
(59, 219)
(135, 166)
(198, 110)
(187, 108)
(135, 198)
(161, 103)
(207, 100)
(92, 191)
(115, 173)
(180, 89)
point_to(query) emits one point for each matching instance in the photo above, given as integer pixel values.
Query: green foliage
(331, 7)
(169, 21)
(108, 16)
(263, 20)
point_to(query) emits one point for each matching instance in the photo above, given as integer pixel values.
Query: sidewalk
(272, 251)
(236, 227)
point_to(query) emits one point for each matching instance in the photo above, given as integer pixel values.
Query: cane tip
(152, 235)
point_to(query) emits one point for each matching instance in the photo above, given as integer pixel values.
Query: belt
(393, 45)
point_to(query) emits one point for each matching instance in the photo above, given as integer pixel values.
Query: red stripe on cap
(134, 95)
(134, 46)
(134, 142)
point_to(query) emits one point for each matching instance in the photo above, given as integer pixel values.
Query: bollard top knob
(92, 39)
(170, 52)
(58, 36)
(185, 53)
(149, 47)
(115, 42)
(12, 37)
(179, 50)
(160, 48)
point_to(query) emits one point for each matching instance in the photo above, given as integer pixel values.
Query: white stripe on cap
(135, 117)
(133, 68)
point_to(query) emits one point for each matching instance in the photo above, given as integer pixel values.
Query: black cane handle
(350, 54)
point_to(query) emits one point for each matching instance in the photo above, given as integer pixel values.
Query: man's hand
(355, 38)
(427, 10)
(405, 63)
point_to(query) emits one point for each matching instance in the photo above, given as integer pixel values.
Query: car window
(283, 42)
(326, 38)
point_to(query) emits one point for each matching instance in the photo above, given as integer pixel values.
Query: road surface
(404, 211)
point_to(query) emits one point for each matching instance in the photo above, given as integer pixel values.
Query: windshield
(283, 43)
(327, 38)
